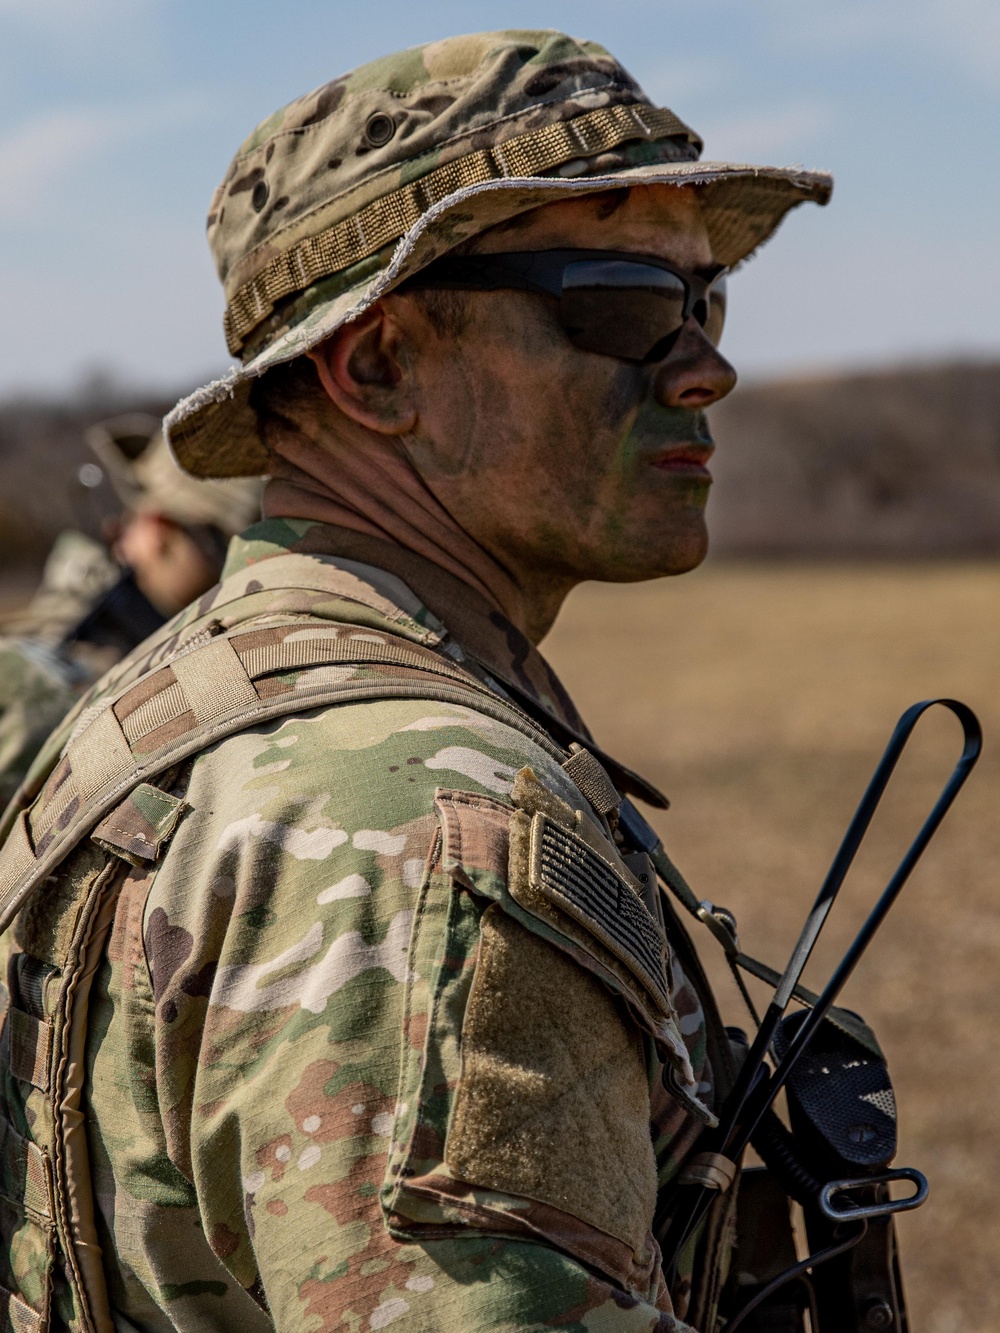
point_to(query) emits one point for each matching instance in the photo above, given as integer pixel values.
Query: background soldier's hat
(144, 476)
(334, 200)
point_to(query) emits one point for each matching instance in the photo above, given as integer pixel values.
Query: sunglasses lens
(716, 316)
(620, 309)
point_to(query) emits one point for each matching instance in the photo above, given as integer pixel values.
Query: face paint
(653, 498)
(539, 464)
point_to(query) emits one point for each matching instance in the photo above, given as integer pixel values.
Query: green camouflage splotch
(245, 1028)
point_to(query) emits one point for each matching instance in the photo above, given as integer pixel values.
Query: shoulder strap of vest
(212, 687)
(292, 584)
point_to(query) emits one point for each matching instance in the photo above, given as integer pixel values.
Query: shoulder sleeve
(294, 1000)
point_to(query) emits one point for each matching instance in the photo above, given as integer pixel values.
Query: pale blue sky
(118, 118)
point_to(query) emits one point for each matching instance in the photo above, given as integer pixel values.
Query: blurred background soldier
(97, 601)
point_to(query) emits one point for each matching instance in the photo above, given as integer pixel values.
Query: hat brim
(213, 432)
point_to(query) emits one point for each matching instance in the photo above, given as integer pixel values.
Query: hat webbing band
(386, 219)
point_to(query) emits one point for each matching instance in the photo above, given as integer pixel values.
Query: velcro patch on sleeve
(561, 876)
(553, 1101)
(553, 869)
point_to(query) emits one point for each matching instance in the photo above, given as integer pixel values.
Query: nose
(693, 374)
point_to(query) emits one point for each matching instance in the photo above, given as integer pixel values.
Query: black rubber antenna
(754, 1091)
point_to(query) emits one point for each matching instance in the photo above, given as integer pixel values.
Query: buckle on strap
(710, 1170)
(722, 924)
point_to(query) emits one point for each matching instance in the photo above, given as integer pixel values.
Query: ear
(363, 371)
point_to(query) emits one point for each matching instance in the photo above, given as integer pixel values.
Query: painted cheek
(652, 428)
(633, 417)
(595, 413)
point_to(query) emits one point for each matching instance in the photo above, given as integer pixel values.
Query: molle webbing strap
(17, 858)
(285, 578)
(23, 1173)
(385, 220)
(210, 683)
(28, 1047)
(213, 689)
(588, 773)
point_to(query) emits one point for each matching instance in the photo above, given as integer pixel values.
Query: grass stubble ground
(760, 697)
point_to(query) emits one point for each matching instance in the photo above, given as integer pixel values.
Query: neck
(343, 474)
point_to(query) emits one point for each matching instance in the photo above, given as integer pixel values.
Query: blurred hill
(896, 463)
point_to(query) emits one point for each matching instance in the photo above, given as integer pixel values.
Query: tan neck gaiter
(339, 472)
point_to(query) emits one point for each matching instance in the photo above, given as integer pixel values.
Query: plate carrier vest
(98, 812)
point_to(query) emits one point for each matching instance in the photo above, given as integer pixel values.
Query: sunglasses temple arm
(753, 1083)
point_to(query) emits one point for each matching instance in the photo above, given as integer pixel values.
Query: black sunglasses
(612, 302)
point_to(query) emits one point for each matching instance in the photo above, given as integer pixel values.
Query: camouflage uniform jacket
(329, 1079)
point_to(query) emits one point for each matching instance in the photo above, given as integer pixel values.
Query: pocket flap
(139, 828)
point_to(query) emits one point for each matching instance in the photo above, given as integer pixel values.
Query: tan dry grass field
(760, 698)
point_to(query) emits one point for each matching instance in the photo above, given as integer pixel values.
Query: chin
(677, 552)
(652, 549)
(650, 562)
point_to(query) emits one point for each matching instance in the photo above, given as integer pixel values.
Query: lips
(685, 459)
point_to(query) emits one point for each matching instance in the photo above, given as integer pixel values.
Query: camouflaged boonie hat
(145, 478)
(337, 198)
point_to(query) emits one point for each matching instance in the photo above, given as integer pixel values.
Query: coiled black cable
(776, 1148)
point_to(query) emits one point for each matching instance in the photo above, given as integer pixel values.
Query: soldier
(339, 997)
(95, 604)
(173, 535)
